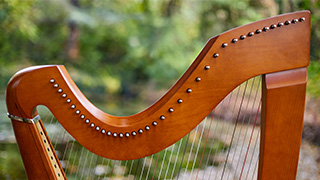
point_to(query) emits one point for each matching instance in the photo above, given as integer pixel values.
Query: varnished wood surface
(34, 153)
(274, 50)
(282, 123)
(278, 49)
(58, 172)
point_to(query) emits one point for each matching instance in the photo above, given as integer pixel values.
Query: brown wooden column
(282, 121)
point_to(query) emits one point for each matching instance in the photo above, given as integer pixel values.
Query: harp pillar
(283, 97)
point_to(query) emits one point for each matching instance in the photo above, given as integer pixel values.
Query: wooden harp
(276, 48)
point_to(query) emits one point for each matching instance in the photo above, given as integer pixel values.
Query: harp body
(277, 48)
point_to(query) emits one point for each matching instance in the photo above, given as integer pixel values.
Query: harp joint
(26, 120)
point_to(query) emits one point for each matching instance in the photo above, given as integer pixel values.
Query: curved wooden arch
(267, 46)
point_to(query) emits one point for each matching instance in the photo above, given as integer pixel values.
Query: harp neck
(225, 62)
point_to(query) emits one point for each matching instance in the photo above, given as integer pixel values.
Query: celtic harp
(147, 145)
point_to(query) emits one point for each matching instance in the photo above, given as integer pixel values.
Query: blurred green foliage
(10, 162)
(118, 50)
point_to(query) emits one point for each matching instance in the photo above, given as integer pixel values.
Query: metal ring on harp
(26, 120)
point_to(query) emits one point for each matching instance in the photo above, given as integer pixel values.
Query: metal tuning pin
(234, 40)
(280, 24)
(250, 34)
(242, 37)
(265, 29)
(258, 31)
(287, 22)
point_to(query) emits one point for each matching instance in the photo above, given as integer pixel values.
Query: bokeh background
(124, 55)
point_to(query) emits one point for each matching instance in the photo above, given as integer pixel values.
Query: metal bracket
(26, 120)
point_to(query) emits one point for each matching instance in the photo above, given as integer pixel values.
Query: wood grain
(282, 123)
(274, 50)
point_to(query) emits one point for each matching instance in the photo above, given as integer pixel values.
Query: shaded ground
(309, 162)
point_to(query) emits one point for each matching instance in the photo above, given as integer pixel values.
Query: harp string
(234, 130)
(165, 153)
(196, 156)
(91, 160)
(194, 137)
(205, 144)
(136, 169)
(241, 127)
(149, 167)
(106, 165)
(168, 165)
(155, 167)
(184, 152)
(214, 132)
(176, 159)
(236, 152)
(69, 157)
(210, 150)
(84, 162)
(248, 123)
(131, 167)
(144, 163)
(126, 166)
(58, 136)
(221, 131)
(79, 162)
(257, 158)
(256, 100)
(112, 167)
(254, 124)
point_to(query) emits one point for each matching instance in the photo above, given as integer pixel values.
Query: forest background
(124, 55)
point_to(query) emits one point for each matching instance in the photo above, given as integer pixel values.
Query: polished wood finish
(282, 123)
(279, 49)
(36, 159)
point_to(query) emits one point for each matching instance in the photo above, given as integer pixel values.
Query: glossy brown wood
(35, 157)
(279, 49)
(282, 123)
